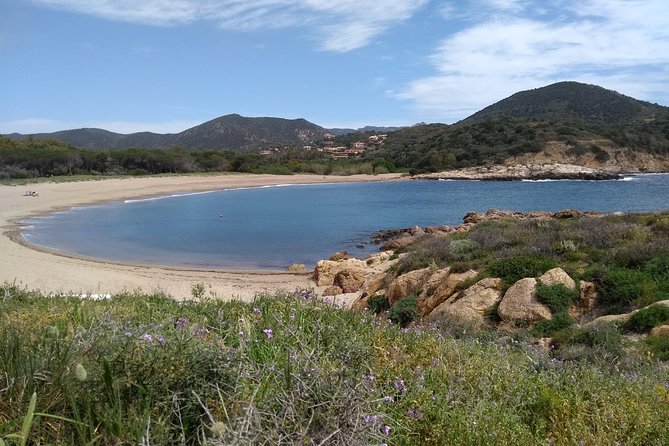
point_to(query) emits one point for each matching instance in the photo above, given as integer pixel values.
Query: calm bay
(273, 227)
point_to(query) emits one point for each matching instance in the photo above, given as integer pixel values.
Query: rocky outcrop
(517, 172)
(472, 304)
(520, 304)
(326, 270)
(407, 284)
(349, 280)
(439, 288)
(332, 291)
(587, 298)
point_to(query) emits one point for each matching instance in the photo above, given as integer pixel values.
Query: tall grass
(288, 369)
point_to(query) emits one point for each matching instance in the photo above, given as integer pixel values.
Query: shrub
(556, 297)
(604, 336)
(378, 304)
(404, 311)
(623, 288)
(659, 347)
(548, 327)
(645, 319)
(514, 268)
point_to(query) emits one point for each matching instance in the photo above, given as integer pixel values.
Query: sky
(167, 65)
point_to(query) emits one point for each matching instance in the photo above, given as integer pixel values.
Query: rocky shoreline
(521, 172)
(443, 294)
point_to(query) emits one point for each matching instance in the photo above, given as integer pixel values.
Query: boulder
(373, 284)
(407, 284)
(404, 239)
(661, 330)
(615, 318)
(378, 258)
(341, 255)
(326, 270)
(332, 291)
(471, 304)
(520, 304)
(446, 283)
(349, 280)
(297, 268)
(557, 276)
(568, 213)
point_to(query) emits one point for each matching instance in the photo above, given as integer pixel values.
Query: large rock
(332, 291)
(407, 284)
(326, 270)
(520, 304)
(471, 304)
(374, 283)
(446, 283)
(557, 276)
(349, 280)
(661, 330)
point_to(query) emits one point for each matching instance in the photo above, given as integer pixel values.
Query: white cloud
(41, 125)
(341, 25)
(622, 45)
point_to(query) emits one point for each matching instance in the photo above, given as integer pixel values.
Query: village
(334, 151)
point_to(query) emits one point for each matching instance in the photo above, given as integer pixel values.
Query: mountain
(570, 101)
(365, 129)
(567, 122)
(231, 132)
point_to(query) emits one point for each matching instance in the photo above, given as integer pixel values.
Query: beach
(58, 273)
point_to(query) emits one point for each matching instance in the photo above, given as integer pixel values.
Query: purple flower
(399, 385)
(181, 323)
(385, 430)
(415, 414)
(257, 311)
(268, 332)
(388, 399)
(146, 337)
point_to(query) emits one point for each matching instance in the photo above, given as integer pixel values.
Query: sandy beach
(51, 272)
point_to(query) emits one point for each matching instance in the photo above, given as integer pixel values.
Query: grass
(288, 369)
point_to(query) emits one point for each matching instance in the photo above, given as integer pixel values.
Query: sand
(52, 272)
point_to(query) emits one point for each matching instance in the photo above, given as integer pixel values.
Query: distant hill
(567, 122)
(365, 129)
(231, 132)
(570, 101)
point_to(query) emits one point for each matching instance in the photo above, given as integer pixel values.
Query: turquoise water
(271, 228)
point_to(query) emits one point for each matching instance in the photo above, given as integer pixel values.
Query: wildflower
(80, 372)
(146, 337)
(388, 399)
(385, 430)
(268, 332)
(415, 414)
(181, 323)
(257, 311)
(399, 385)
(161, 339)
(374, 420)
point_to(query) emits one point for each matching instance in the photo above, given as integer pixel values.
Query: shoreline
(52, 271)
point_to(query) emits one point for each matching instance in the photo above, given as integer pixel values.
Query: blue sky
(166, 65)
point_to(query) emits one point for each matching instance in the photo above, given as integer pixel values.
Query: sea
(270, 228)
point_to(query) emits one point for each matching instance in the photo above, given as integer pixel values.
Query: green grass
(144, 369)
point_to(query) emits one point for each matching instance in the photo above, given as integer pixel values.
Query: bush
(556, 297)
(378, 304)
(548, 327)
(659, 347)
(514, 268)
(604, 336)
(404, 311)
(624, 288)
(645, 319)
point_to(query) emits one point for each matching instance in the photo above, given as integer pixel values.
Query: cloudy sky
(166, 65)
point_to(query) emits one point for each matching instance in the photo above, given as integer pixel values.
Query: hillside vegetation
(585, 119)
(289, 369)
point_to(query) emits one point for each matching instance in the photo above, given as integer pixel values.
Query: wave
(187, 194)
